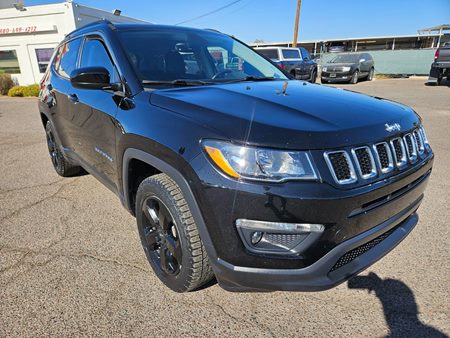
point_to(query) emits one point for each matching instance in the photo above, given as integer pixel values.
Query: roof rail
(95, 23)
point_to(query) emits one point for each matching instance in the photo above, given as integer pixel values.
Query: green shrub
(31, 90)
(16, 91)
(6, 83)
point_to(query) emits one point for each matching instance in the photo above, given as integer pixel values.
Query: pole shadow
(399, 306)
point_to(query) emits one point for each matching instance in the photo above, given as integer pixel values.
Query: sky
(271, 20)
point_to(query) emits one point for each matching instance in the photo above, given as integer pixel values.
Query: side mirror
(305, 59)
(90, 78)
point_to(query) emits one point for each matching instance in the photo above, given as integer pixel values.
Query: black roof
(106, 24)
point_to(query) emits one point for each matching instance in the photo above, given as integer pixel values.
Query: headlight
(260, 163)
(324, 69)
(346, 69)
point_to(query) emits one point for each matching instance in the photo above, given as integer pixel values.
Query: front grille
(378, 158)
(341, 166)
(356, 252)
(364, 162)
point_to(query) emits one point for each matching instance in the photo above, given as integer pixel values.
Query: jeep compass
(233, 169)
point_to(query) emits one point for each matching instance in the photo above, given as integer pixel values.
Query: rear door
(94, 120)
(293, 62)
(309, 64)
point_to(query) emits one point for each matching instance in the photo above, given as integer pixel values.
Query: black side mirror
(90, 78)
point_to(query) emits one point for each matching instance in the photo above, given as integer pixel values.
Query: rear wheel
(370, 76)
(169, 235)
(354, 78)
(61, 165)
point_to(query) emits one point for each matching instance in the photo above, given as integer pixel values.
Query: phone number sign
(26, 29)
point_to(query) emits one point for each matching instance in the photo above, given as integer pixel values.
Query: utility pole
(297, 15)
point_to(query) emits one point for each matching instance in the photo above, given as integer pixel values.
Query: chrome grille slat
(410, 145)
(384, 157)
(419, 142)
(399, 151)
(341, 166)
(364, 162)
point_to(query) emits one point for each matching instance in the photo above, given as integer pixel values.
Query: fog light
(276, 227)
(256, 237)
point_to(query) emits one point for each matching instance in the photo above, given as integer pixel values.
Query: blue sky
(272, 20)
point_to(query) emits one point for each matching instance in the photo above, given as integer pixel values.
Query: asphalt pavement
(71, 262)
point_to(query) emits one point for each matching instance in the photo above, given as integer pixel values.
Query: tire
(61, 165)
(294, 76)
(370, 75)
(173, 246)
(354, 79)
(323, 81)
(439, 80)
(313, 76)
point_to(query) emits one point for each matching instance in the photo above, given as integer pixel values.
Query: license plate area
(332, 74)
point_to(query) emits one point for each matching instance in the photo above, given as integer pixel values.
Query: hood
(340, 64)
(307, 116)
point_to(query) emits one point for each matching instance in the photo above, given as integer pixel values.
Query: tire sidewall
(354, 78)
(59, 169)
(151, 188)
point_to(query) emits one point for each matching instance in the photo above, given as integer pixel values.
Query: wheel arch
(160, 166)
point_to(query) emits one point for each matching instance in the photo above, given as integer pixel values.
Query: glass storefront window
(43, 56)
(9, 62)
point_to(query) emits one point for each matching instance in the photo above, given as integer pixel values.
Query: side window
(95, 55)
(66, 57)
(305, 54)
(291, 53)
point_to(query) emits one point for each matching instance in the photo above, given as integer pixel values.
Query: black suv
(231, 168)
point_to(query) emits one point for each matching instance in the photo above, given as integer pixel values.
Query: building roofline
(349, 39)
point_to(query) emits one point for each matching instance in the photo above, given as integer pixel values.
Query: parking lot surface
(71, 262)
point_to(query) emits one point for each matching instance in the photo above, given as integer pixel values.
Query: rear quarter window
(269, 53)
(291, 54)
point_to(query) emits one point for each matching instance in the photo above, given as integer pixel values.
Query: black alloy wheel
(162, 243)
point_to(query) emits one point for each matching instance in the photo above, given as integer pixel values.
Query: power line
(209, 13)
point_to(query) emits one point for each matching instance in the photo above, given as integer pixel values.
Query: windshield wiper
(177, 82)
(254, 78)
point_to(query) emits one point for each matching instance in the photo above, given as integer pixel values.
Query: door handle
(73, 98)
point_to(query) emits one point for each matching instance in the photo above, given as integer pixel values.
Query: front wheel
(169, 235)
(354, 78)
(313, 76)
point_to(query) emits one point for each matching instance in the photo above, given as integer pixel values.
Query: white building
(28, 34)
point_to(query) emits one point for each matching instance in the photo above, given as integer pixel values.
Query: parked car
(295, 61)
(440, 68)
(242, 174)
(348, 67)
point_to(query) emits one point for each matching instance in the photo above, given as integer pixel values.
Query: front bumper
(322, 275)
(352, 217)
(338, 77)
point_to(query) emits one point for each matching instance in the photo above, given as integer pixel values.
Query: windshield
(345, 58)
(167, 54)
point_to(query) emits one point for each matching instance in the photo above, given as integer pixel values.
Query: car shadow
(399, 306)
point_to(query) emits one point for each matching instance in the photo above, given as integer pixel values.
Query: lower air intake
(356, 252)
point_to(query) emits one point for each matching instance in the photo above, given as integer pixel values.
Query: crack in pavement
(3, 192)
(55, 194)
(263, 327)
(53, 254)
